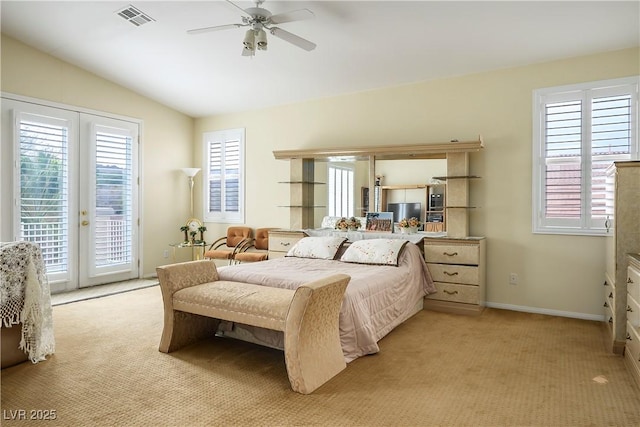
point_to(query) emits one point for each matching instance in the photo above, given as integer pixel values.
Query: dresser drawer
(608, 314)
(455, 293)
(452, 273)
(633, 283)
(610, 298)
(633, 312)
(452, 254)
(633, 342)
(282, 242)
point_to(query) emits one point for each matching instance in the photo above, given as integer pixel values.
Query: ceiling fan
(259, 20)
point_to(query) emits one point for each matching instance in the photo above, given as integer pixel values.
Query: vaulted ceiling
(361, 45)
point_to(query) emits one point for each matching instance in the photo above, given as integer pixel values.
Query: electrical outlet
(166, 253)
(513, 279)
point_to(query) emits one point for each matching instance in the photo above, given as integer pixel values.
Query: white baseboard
(536, 310)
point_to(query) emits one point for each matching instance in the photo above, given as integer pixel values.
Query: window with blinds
(340, 191)
(44, 189)
(224, 175)
(581, 130)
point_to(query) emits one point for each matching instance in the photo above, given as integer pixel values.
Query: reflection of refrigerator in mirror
(435, 209)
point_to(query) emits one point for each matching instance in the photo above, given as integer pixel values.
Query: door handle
(85, 223)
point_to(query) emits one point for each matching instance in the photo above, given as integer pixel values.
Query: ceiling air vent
(135, 16)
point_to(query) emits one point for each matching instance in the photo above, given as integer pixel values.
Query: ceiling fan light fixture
(249, 40)
(261, 39)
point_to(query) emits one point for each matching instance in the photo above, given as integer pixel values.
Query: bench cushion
(246, 303)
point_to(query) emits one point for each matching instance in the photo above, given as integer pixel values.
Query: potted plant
(351, 224)
(186, 230)
(409, 226)
(202, 229)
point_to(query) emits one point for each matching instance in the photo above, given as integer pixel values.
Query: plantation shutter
(114, 197)
(224, 170)
(611, 131)
(563, 176)
(582, 132)
(44, 188)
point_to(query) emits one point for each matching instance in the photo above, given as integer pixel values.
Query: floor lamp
(191, 172)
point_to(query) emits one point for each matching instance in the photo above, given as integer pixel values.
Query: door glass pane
(113, 207)
(44, 193)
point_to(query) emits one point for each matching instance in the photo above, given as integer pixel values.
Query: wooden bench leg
(312, 349)
(181, 329)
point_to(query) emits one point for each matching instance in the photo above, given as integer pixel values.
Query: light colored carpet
(101, 290)
(502, 368)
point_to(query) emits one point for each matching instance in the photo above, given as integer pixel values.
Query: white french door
(75, 191)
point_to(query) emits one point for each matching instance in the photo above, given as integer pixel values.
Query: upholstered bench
(195, 301)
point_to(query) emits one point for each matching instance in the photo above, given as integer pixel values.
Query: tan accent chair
(260, 247)
(227, 246)
(195, 301)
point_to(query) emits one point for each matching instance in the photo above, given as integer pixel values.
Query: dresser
(623, 237)
(280, 241)
(457, 266)
(632, 347)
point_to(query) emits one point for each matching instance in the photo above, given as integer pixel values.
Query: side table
(197, 249)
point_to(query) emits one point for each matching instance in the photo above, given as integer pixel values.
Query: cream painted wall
(167, 138)
(558, 274)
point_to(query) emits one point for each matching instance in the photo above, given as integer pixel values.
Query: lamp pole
(191, 172)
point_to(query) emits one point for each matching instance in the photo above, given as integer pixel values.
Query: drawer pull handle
(629, 280)
(610, 319)
(450, 292)
(629, 309)
(606, 305)
(285, 243)
(605, 283)
(629, 337)
(450, 254)
(611, 295)
(455, 273)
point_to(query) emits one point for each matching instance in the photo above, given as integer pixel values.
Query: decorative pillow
(329, 221)
(316, 247)
(375, 251)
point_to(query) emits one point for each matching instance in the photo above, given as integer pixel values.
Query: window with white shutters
(224, 176)
(578, 132)
(340, 189)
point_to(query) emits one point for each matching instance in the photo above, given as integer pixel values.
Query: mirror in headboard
(346, 192)
(370, 161)
(343, 193)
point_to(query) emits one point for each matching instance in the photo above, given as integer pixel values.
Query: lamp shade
(261, 40)
(191, 172)
(249, 40)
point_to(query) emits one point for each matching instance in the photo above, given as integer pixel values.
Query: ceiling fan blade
(214, 28)
(292, 38)
(294, 15)
(238, 8)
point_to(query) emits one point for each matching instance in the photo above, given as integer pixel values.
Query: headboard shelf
(387, 152)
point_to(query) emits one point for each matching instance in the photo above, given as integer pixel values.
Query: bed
(378, 297)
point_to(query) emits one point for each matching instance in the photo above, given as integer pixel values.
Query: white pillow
(329, 221)
(374, 251)
(316, 247)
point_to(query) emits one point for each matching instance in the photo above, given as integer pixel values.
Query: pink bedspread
(378, 298)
